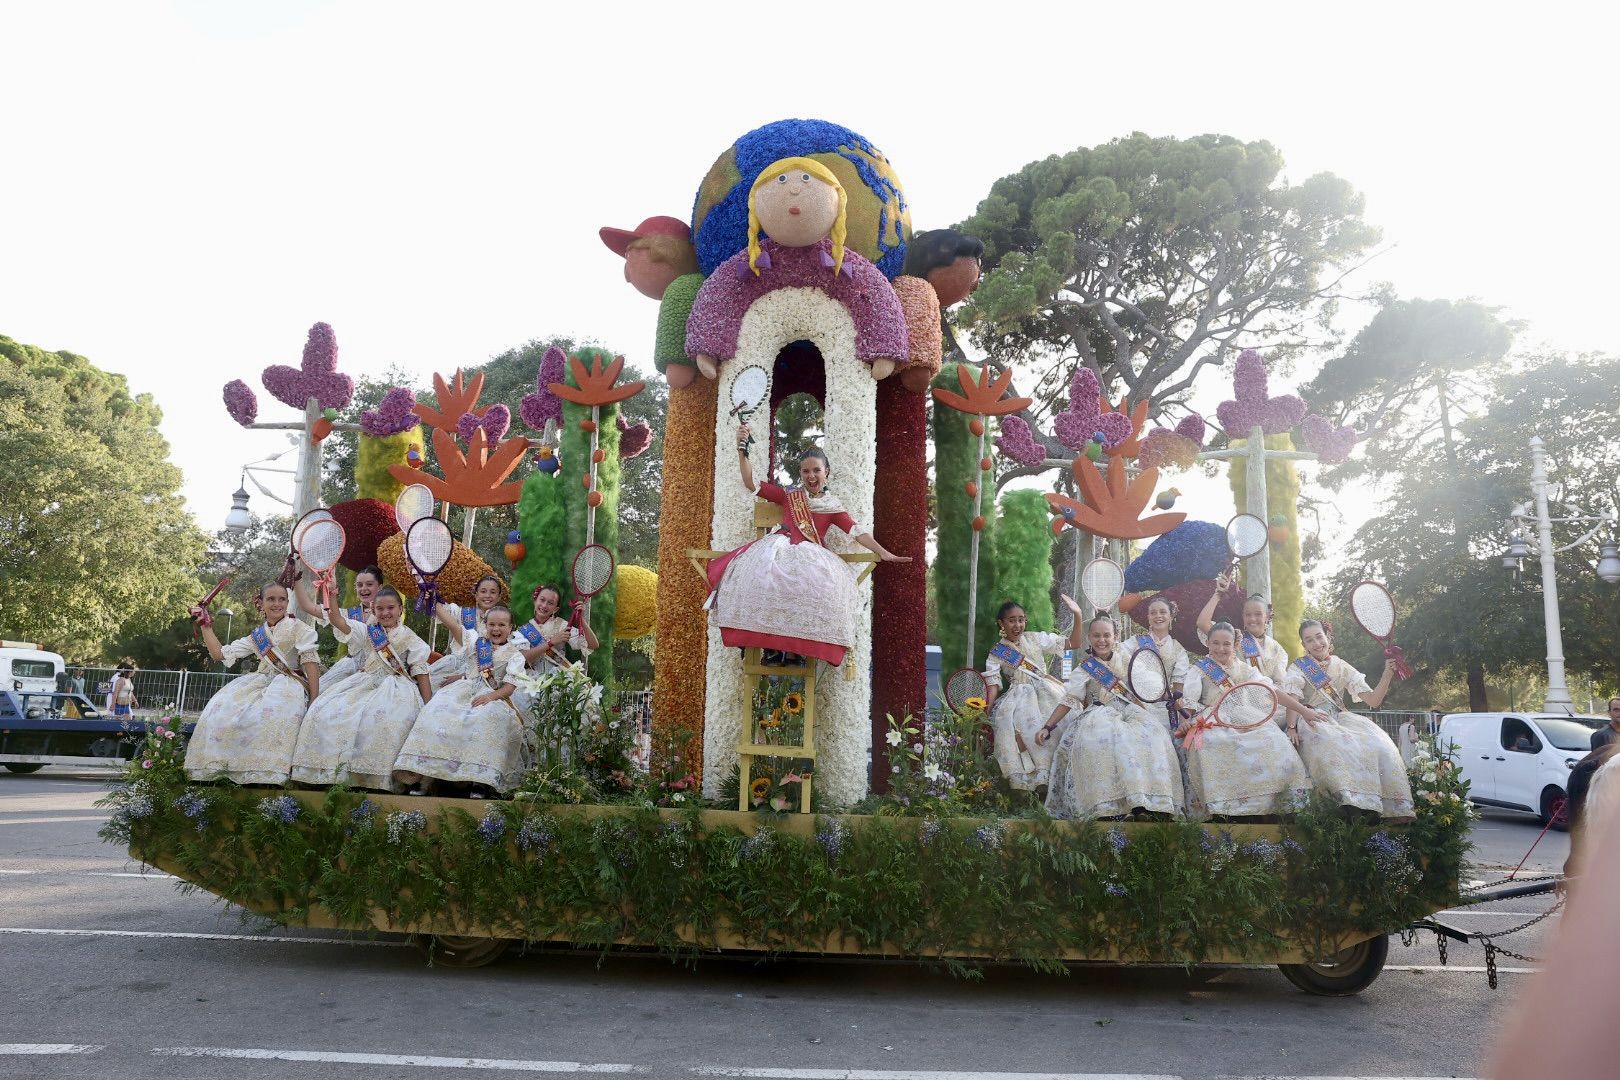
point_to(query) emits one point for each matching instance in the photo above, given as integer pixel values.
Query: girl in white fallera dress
(247, 732)
(1021, 657)
(486, 594)
(1161, 617)
(1350, 758)
(354, 733)
(1256, 646)
(1112, 758)
(546, 638)
(1233, 772)
(470, 733)
(366, 584)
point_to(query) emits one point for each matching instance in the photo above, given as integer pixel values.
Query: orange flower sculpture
(596, 386)
(981, 396)
(477, 476)
(1113, 507)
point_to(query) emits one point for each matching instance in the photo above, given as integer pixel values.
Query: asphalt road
(110, 972)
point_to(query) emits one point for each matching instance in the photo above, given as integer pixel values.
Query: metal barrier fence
(187, 693)
(1391, 721)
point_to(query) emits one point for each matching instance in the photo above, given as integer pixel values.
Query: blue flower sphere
(878, 216)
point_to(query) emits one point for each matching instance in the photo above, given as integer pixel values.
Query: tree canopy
(1148, 259)
(1459, 607)
(95, 540)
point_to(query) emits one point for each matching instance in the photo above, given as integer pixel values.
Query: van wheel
(1555, 809)
(1349, 972)
(22, 769)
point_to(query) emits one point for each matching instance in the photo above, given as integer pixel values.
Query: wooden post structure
(1257, 572)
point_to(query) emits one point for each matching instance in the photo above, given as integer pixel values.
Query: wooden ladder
(768, 516)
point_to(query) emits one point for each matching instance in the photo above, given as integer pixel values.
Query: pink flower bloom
(168, 734)
(147, 764)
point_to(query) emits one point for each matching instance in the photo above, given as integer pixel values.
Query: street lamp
(1519, 548)
(229, 615)
(239, 520)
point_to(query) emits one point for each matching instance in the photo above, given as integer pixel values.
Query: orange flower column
(680, 674)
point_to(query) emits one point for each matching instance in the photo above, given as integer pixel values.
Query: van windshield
(1568, 734)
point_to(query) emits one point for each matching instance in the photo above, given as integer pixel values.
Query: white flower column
(843, 726)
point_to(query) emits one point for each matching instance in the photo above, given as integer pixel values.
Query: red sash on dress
(798, 504)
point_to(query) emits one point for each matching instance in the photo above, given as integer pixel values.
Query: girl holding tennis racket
(247, 731)
(545, 639)
(470, 734)
(1256, 646)
(1161, 620)
(366, 584)
(464, 621)
(354, 732)
(788, 591)
(1021, 659)
(1242, 769)
(1111, 757)
(1350, 758)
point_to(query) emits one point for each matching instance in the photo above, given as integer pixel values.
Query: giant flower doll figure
(800, 207)
(786, 591)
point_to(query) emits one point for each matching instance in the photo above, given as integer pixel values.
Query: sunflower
(974, 703)
(759, 788)
(773, 721)
(793, 704)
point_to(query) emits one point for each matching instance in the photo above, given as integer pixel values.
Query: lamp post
(1608, 567)
(229, 616)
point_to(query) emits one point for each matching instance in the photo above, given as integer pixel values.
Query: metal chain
(1490, 963)
(1440, 943)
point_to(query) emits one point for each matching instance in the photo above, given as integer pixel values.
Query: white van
(1518, 761)
(25, 666)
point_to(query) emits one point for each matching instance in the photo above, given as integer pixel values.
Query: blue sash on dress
(531, 633)
(1313, 671)
(1099, 672)
(1213, 671)
(1251, 647)
(261, 639)
(469, 618)
(1145, 641)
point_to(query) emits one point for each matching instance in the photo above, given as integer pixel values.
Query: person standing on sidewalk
(1607, 734)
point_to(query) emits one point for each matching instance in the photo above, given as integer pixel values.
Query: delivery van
(24, 666)
(1518, 761)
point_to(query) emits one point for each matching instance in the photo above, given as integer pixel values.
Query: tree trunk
(1476, 686)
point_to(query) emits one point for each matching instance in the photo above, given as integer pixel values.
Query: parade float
(869, 818)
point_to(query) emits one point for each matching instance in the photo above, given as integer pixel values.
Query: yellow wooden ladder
(768, 516)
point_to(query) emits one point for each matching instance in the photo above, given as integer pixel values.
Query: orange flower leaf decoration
(454, 400)
(1138, 415)
(981, 397)
(596, 385)
(470, 479)
(1113, 507)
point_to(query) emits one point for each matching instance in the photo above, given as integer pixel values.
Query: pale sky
(190, 185)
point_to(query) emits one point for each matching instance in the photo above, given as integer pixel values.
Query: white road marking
(114, 873)
(1463, 968)
(49, 1048)
(748, 1073)
(51, 932)
(1515, 914)
(51, 820)
(419, 1060)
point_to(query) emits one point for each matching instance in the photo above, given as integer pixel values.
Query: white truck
(25, 666)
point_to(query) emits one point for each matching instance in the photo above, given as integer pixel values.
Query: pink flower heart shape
(1017, 441)
(495, 421)
(316, 377)
(1330, 445)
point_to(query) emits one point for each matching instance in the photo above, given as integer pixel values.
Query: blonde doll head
(796, 202)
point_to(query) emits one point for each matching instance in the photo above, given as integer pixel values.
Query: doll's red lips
(793, 209)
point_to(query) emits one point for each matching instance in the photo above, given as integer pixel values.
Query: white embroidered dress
(348, 663)
(247, 731)
(1240, 773)
(1111, 756)
(354, 734)
(456, 741)
(1350, 758)
(1272, 661)
(1176, 660)
(450, 663)
(1024, 706)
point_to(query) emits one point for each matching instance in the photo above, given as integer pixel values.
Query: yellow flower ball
(637, 613)
(793, 704)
